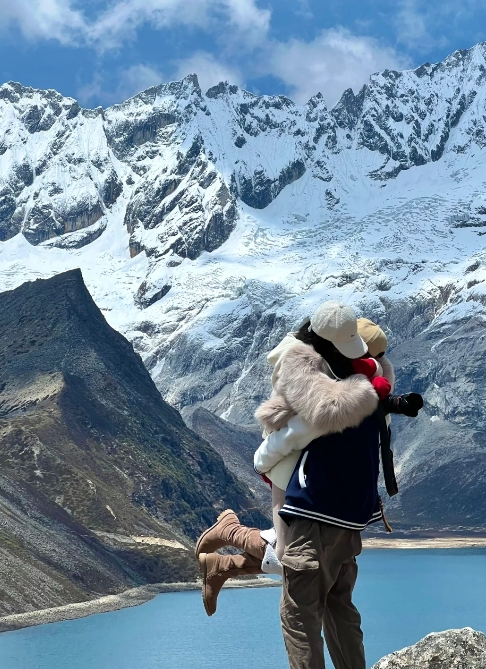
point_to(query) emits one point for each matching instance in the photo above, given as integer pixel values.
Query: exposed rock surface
(441, 456)
(51, 183)
(92, 458)
(236, 444)
(454, 649)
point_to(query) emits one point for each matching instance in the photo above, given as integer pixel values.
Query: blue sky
(104, 51)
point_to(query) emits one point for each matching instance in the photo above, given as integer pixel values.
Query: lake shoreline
(424, 542)
(108, 603)
(144, 593)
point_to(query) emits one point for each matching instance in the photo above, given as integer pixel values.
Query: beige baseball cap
(373, 335)
(337, 323)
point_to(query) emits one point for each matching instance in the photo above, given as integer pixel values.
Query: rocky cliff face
(209, 224)
(454, 648)
(102, 484)
(236, 445)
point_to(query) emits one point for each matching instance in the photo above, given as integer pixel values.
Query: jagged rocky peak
(171, 140)
(27, 101)
(151, 116)
(221, 89)
(51, 182)
(444, 650)
(349, 108)
(180, 92)
(410, 116)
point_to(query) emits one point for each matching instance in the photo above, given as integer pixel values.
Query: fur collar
(304, 386)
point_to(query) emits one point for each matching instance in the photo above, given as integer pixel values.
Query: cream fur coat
(307, 402)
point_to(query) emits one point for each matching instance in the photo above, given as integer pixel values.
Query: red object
(366, 366)
(382, 386)
(266, 479)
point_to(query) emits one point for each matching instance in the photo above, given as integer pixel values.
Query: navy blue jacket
(336, 478)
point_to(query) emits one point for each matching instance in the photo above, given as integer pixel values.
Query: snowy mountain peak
(151, 146)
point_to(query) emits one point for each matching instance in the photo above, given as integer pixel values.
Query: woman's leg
(278, 500)
(216, 569)
(228, 531)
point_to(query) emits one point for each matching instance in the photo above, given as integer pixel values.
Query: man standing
(332, 496)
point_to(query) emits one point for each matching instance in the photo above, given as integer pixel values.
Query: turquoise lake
(402, 594)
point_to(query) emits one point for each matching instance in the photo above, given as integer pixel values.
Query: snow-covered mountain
(208, 224)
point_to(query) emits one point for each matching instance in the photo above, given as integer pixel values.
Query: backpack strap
(388, 527)
(386, 454)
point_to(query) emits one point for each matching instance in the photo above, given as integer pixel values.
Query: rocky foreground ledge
(454, 649)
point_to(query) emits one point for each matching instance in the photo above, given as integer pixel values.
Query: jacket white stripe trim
(313, 515)
(376, 514)
(300, 514)
(337, 523)
(301, 470)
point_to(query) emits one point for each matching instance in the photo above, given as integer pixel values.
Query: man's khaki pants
(320, 572)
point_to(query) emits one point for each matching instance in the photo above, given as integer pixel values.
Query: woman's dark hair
(341, 366)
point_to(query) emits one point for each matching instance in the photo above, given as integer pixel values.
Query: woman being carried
(314, 404)
(318, 390)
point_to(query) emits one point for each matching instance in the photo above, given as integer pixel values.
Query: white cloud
(209, 70)
(119, 21)
(251, 22)
(332, 62)
(44, 19)
(412, 25)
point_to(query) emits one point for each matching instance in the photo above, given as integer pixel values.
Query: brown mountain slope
(236, 445)
(89, 445)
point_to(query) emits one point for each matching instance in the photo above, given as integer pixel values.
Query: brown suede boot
(217, 569)
(228, 531)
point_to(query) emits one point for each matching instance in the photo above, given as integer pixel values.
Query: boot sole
(203, 567)
(206, 532)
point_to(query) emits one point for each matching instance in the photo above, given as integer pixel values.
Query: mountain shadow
(236, 445)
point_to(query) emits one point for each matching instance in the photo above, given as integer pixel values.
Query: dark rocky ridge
(92, 454)
(236, 444)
